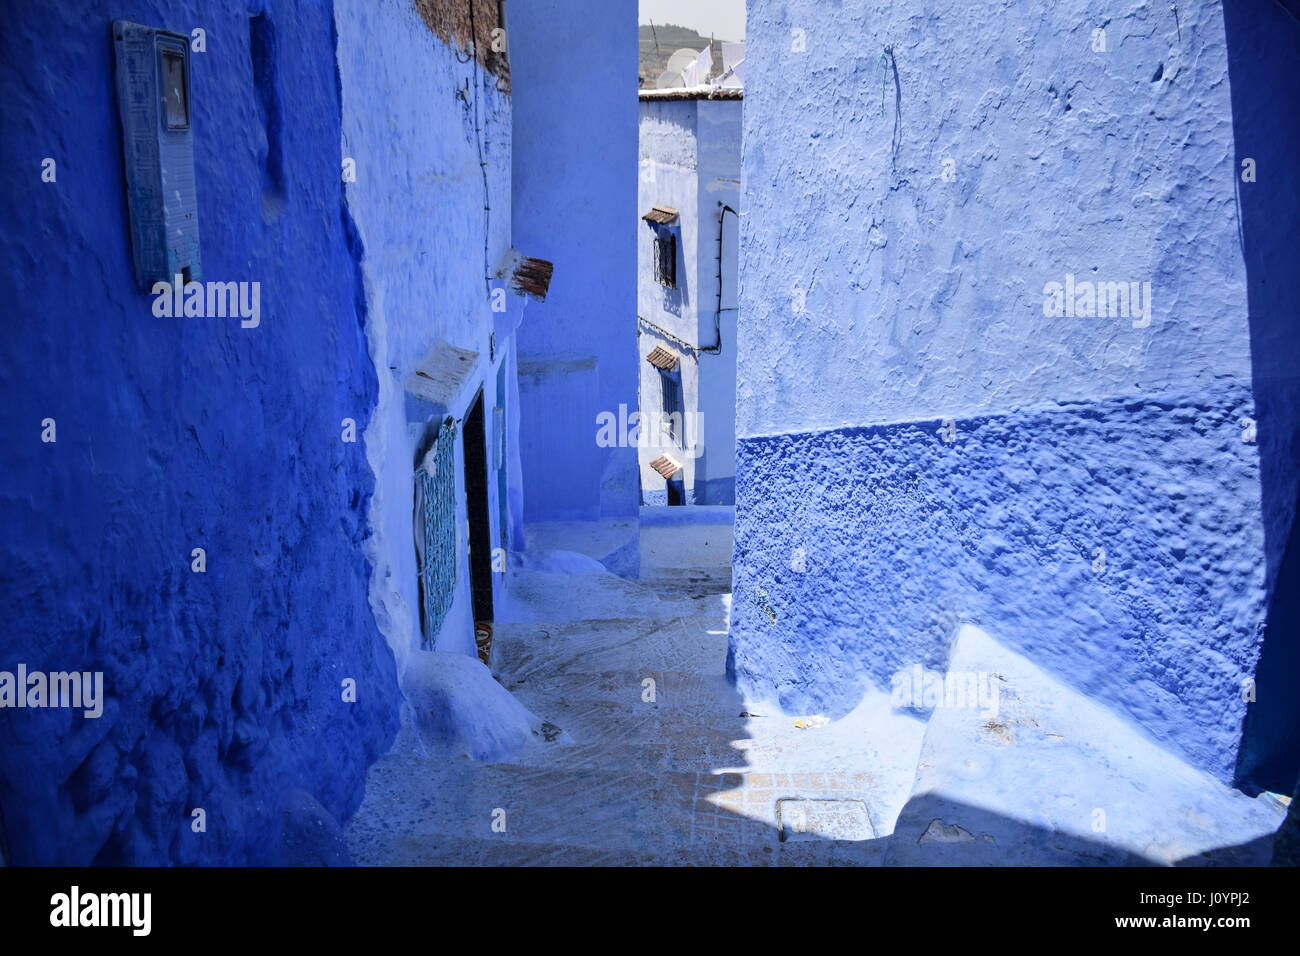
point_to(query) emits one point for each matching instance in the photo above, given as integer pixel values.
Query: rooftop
(693, 93)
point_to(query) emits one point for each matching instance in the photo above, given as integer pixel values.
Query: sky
(725, 19)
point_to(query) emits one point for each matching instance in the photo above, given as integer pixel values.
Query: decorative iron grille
(435, 508)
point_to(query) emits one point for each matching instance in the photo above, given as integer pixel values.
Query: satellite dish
(669, 81)
(681, 60)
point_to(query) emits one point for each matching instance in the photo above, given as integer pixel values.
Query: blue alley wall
(919, 444)
(223, 688)
(418, 203)
(574, 203)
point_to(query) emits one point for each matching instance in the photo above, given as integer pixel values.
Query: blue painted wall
(574, 203)
(223, 688)
(939, 448)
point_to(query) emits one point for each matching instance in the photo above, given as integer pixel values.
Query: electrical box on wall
(155, 102)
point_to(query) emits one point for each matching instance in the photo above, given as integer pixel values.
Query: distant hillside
(671, 39)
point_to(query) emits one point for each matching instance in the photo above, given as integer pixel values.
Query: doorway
(480, 522)
(674, 493)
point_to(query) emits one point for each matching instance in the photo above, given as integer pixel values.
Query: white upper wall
(718, 133)
(689, 160)
(668, 176)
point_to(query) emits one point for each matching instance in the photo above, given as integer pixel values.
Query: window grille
(666, 259)
(671, 404)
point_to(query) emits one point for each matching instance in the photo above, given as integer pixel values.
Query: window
(175, 95)
(666, 259)
(671, 402)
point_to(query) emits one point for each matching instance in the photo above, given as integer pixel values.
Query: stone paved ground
(663, 762)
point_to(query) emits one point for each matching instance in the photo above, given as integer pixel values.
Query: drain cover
(798, 818)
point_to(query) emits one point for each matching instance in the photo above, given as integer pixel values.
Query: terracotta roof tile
(665, 466)
(660, 215)
(662, 358)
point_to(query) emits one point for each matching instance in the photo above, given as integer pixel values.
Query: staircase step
(615, 724)
(406, 849)
(400, 849)
(672, 691)
(414, 801)
(696, 644)
(545, 596)
(696, 583)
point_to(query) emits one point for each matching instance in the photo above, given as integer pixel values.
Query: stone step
(545, 596)
(640, 756)
(696, 644)
(400, 849)
(693, 583)
(672, 691)
(614, 724)
(405, 849)
(414, 801)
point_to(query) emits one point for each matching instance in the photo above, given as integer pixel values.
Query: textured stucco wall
(882, 299)
(928, 294)
(574, 203)
(223, 688)
(418, 207)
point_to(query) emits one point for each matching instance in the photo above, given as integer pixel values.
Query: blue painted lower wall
(902, 535)
(718, 491)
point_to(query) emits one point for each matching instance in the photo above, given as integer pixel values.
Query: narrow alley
(653, 758)
(648, 433)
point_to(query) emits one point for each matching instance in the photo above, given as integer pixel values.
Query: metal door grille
(435, 509)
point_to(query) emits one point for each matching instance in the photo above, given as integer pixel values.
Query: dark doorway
(674, 493)
(499, 442)
(476, 506)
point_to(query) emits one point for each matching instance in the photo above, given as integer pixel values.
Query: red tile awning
(662, 358)
(525, 275)
(665, 466)
(660, 215)
(532, 277)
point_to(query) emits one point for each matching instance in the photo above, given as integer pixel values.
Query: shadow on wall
(1263, 40)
